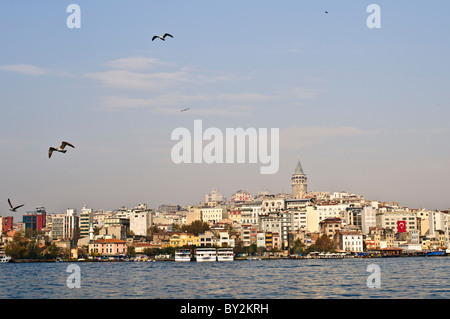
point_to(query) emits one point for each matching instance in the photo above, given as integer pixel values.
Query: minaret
(91, 233)
(299, 182)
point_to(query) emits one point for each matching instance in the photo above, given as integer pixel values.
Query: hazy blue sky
(367, 110)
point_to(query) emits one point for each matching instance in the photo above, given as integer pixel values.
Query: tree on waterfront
(298, 247)
(52, 251)
(196, 227)
(131, 251)
(17, 247)
(324, 243)
(252, 249)
(32, 250)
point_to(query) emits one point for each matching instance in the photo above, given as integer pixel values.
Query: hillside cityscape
(269, 225)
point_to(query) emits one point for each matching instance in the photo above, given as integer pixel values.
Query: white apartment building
(250, 213)
(272, 204)
(213, 214)
(438, 221)
(368, 218)
(389, 220)
(331, 211)
(351, 241)
(141, 222)
(65, 225)
(260, 239)
(270, 223)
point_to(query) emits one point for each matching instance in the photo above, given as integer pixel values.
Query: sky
(365, 109)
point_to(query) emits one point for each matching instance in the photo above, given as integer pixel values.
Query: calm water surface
(414, 277)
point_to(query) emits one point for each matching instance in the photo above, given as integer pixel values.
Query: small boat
(183, 255)
(436, 253)
(4, 258)
(205, 254)
(225, 254)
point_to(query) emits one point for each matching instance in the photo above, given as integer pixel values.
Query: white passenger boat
(4, 258)
(205, 254)
(225, 254)
(183, 255)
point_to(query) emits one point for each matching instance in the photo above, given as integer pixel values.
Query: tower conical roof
(299, 169)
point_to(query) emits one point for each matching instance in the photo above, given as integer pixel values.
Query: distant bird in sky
(59, 149)
(184, 110)
(12, 208)
(163, 37)
(326, 12)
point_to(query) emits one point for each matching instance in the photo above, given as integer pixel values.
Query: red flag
(401, 226)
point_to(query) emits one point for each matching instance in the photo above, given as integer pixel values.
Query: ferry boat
(205, 254)
(4, 258)
(225, 254)
(183, 255)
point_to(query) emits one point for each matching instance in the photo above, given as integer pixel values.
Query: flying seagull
(13, 209)
(163, 37)
(184, 110)
(59, 149)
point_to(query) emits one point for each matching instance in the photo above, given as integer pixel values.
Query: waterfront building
(269, 240)
(260, 239)
(213, 214)
(368, 218)
(276, 242)
(351, 241)
(248, 234)
(184, 239)
(390, 220)
(312, 219)
(65, 226)
(299, 182)
(108, 247)
(270, 223)
(207, 239)
(353, 217)
(438, 222)
(331, 210)
(6, 224)
(114, 231)
(140, 222)
(115, 220)
(85, 220)
(35, 220)
(224, 239)
(330, 226)
(382, 237)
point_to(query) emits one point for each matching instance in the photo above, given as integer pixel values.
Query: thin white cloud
(246, 97)
(177, 87)
(172, 104)
(28, 69)
(127, 80)
(135, 63)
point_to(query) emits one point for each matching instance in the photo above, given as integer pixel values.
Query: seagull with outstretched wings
(59, 149)
(163, 37)
(12, 208)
